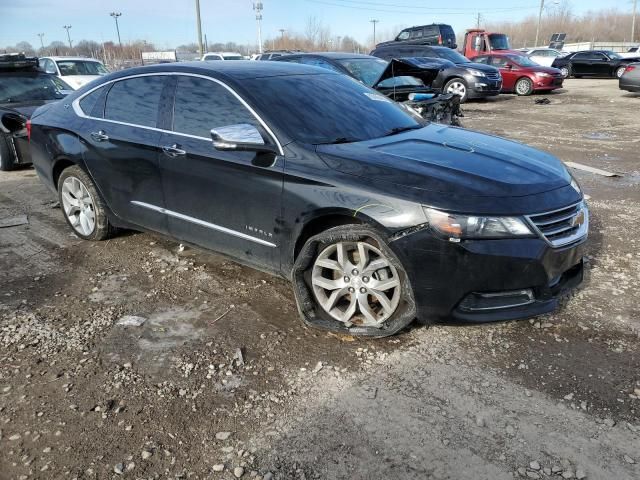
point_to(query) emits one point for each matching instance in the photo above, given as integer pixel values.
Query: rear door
(121, 143)
(228, 201)
(581, 64)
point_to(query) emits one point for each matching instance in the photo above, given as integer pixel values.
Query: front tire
(82, 206)
(524, 86)
(348, 280)
(457, 86)
(7, 162)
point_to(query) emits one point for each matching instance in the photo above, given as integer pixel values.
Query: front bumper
(444, 275)
(547, 83)
(481, 87)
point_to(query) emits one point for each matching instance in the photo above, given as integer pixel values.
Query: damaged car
(23, 88)
(376, 219)
(407, 80)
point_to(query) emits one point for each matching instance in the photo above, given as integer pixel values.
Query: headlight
(543, 74)
(476, 73)
(456, 226)
(575, 185)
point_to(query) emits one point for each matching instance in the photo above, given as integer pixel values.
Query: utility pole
(478, 20)
(257, 7)
(282, 30)
(633, 21)
(206, 43)
(374, 29)
(339, 47)
(115, 16)
(67, 28)
(539, 21)
(200, 46)
(41, 42)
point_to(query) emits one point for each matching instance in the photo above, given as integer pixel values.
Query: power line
(443, 10)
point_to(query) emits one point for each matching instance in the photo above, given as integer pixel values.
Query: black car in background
(375, 215)
(593, 63)
(630, 79)
(462, 77)
(23, 88)
(434, 34)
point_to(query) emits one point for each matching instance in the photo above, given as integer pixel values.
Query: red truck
(477, 41)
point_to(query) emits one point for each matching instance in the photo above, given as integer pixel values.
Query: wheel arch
(325, 220)
(59, 165)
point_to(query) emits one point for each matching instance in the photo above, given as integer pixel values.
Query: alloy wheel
(78, 206)
(620, 71)
(564, 71)
(457, 88)
(356, 284)
(523, 87)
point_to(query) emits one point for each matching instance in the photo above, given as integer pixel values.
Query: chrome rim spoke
(327, 283)
(78, 206)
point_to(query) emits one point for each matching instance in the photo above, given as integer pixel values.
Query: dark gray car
(630, 79)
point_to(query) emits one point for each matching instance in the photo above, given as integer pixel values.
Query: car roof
(74, 58)
(236, 70)
(407, 46)
(334, 55)
(222, 53)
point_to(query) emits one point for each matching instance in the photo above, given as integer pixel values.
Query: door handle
(99, 136)
(173, 150)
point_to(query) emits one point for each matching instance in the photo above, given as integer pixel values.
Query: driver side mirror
(508, 66)
(242, 137)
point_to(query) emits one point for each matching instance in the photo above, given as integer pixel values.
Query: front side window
(202, 104)
(81, 67)
(135, 100)
(367, 70)
(404, 35)
(499, 62)
(416, 33)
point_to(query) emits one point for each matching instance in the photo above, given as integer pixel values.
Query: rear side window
(135, 100)
(201, 105)
(93, 104)
(431, 31)
(416, 33)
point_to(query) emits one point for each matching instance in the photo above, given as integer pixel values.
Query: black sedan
(630, 79)
(461, 76)
(23, 88)
(376, 216)
(593, 63)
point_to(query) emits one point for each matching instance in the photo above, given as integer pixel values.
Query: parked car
(75, 71)
(521, 75)
(632, 52)
(596, 63)
(630, 79)
(543, 56)
(376, 218)
(434, 34)
(403, 80)
(462, 77)
(271, 54)
(23, 88)
(210, 56)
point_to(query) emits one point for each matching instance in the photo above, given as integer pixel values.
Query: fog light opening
(478, 301)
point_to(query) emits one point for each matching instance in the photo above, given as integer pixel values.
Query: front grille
(563, 226)
(493, 75)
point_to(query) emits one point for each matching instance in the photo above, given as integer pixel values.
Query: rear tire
(82, 206)
(524, 86)
(7, 162)
(347, 279)
(620, 71)
(457, 86)
(566, 71)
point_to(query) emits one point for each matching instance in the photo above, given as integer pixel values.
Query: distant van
(434, 34)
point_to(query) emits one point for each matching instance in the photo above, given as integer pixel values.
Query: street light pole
(67, 28)
(200, 46)
(539, 21)
(374, 30)
(41, 42)
(633, 21)
(115, 16)
(257, 6)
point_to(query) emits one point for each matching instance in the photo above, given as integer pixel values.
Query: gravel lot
(134, 358)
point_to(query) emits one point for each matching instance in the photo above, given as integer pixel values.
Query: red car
(522, 75)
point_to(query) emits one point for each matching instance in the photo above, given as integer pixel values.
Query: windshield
(328, 108)
(611, 54)
(523, 61)
(30, 87)
(81, 67)
(499, 41)
(450, 54)
(369, 70)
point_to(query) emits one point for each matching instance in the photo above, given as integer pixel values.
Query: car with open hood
(23, 88)
(375, 215)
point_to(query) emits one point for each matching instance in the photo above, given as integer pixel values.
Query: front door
(228, 201)
(509, 76)
(601, 64)
(122, 148)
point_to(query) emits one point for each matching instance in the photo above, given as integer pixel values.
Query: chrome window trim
(203, 223)
(78, 111)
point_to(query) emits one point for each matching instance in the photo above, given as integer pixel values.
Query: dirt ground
(212, 374)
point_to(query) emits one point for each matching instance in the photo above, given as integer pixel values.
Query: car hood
(77, 81)
(451, 161)
(426, 69)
